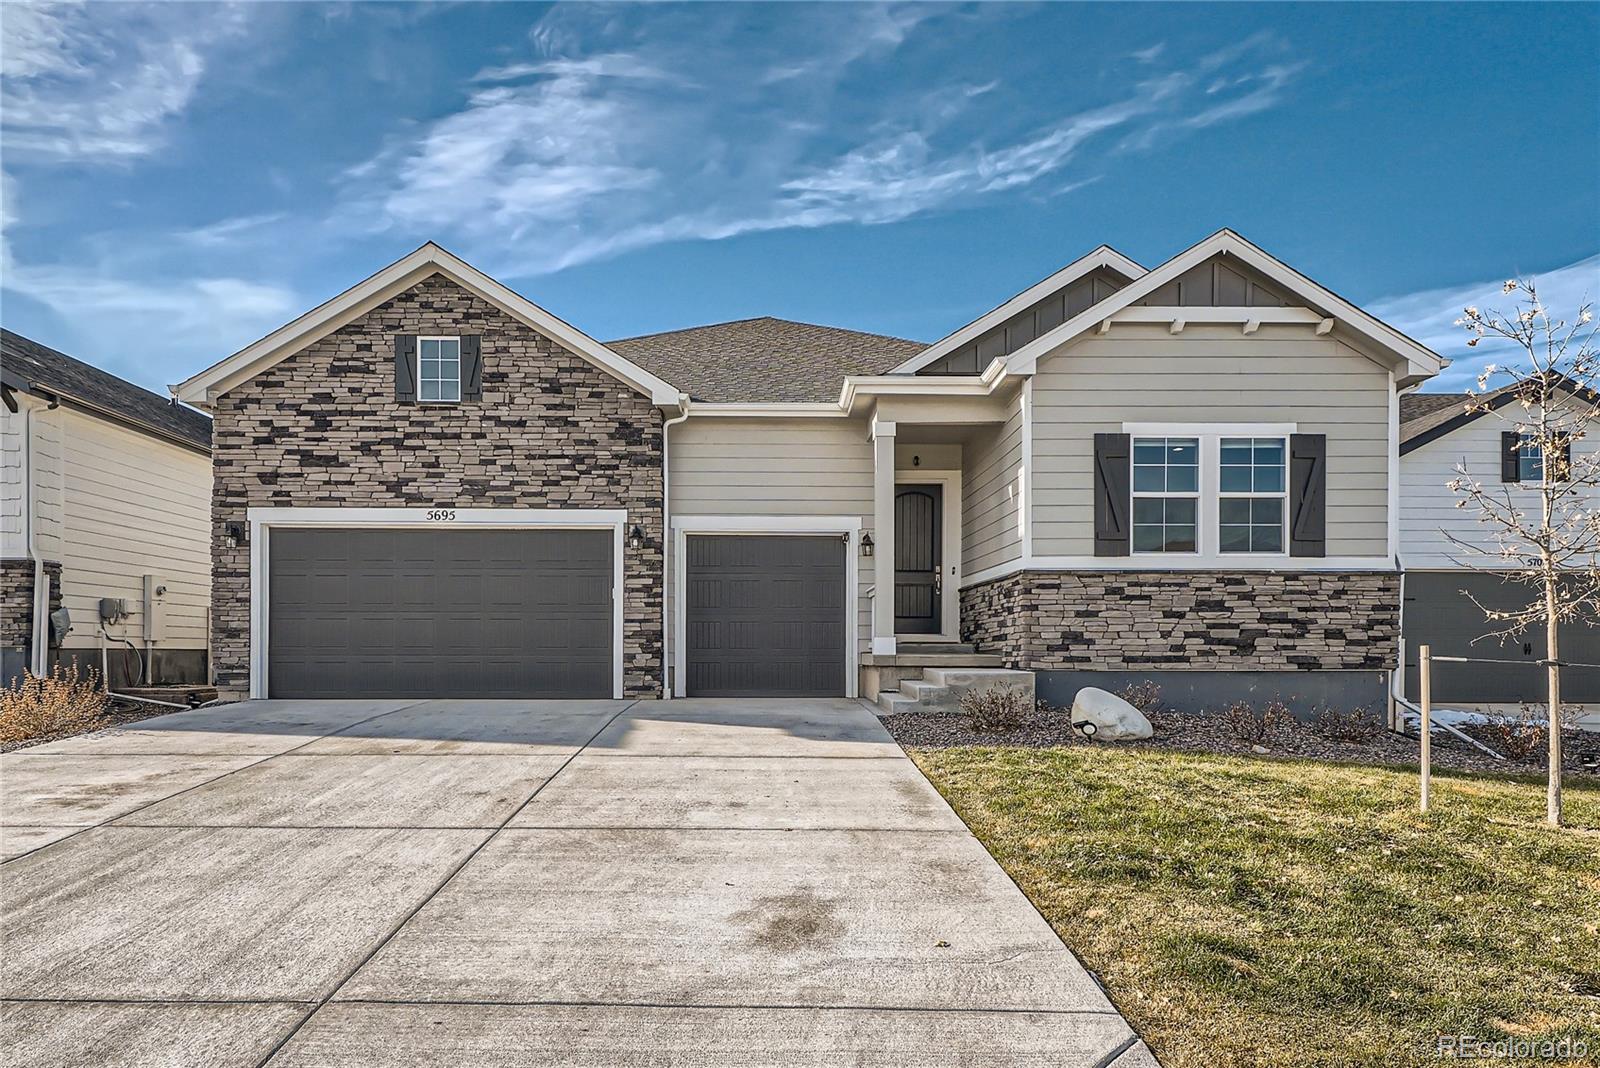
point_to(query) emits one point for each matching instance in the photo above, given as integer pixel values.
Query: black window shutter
(471, 367)
(1562, 471)
(1510, 444)
(405, 368)
(1113, 460)
(1308, 495)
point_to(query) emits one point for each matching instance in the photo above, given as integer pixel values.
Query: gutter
(667, 540)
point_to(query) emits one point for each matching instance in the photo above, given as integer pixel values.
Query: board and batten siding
(774, 467)
(991, 496)
(135, 505)
(1209, 374)
(1428, 513)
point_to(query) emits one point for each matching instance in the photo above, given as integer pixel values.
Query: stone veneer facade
(16, 600)
(1196, 620)
(323, 428)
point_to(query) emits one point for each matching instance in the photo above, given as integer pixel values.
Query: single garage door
(1439, 614)
(440, 613)
(765, 616)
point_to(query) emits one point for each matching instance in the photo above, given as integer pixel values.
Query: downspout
(666, 541)
(39, 652)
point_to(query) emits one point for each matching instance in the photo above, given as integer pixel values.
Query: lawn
(1285, 913)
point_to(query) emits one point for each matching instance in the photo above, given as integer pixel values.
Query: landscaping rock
(1113, 718)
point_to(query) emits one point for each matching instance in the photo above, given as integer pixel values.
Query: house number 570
(441, 515)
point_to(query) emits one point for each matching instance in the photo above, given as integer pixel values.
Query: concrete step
(918, 658)
(963, 679)
(892, 701)
(913, 645)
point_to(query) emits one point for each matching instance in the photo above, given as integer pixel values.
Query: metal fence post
(1425, 678)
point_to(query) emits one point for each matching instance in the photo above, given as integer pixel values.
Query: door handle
(938, 581)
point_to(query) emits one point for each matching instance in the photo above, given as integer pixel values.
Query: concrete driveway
(517, 883)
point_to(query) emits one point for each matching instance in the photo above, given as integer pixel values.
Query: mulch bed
(120, 714)
(1210, 733)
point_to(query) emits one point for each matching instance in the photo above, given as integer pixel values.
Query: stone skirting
(323, 428)
(16, 606)
(1197, 620)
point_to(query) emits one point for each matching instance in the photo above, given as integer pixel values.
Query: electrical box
(113, 610)
(60, 626)
(155, 608)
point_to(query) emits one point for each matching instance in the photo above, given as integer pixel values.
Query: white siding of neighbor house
(43, 464)
(134, 505)
(13, 461)
(991, 491)
(1428, 512)
(1210, 374)
(774, 467)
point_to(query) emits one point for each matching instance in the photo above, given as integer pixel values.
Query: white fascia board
(1419, 359)
(322, 320)
(808, 410)
(904, 385)
(1104, 256)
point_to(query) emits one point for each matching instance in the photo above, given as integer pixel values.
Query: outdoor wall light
(636, 538)
(233, 535)
(866, 545)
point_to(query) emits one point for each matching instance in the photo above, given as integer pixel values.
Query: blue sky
(180, 179)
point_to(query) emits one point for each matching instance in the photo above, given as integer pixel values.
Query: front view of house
(431, 486)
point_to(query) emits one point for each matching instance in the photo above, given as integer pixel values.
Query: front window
(1166, 495)
(1530, 460)
(439, 369)
(1252, 491)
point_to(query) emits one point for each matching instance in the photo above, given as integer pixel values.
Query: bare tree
(1549, 546)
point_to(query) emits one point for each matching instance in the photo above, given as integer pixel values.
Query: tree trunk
(1553, 725)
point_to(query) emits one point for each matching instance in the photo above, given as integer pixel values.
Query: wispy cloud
(1429, 316)
(97, 82)
(226, 232)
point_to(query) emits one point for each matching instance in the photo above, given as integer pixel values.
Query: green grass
(1285, 913)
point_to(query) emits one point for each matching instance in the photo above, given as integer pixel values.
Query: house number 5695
(441, 515)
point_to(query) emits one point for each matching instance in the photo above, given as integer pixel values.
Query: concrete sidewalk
(518, 883)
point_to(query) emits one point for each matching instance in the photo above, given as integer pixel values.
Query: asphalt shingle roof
(31, 365)
(764, 360)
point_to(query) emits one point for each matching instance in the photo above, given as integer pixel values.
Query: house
(1446, 552)
(105, 500)
(431, 485)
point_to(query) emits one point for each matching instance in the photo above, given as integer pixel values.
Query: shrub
(1258, 726)
(996, 708)
(1145, 696)
(1356, 725)
(59, 703)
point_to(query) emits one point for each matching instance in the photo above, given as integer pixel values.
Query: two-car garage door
(406, 612)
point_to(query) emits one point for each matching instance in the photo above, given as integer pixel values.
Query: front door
(918, 552)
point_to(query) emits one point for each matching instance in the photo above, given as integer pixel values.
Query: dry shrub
(59, 703)
(1145, 696)
(1258, 725)
(996, 708)
(1356, 725)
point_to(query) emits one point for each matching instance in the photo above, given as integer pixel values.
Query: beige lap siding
(322, 428)
(991, 491)
(1210, 374)
(1177, 621)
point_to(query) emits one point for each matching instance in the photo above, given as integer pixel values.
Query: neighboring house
(430, 485)
(105, 492)
(1447, 553)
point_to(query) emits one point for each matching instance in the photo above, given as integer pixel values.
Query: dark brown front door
(918, 552)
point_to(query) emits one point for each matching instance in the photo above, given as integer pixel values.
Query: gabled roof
(1420, 362)
(1426, 417)
(400, 275)
(33, 368)
(1104, 256)
(764, 360)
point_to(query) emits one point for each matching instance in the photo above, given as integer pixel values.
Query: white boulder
(1112, 718)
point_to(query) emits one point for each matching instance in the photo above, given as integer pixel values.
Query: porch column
(883, 537)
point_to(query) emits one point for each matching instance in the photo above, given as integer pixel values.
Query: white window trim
(1209, 554)
(262, 521)
(439, 337)
(847, 525)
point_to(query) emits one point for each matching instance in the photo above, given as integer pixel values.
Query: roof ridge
(11, 335)
(764, 319)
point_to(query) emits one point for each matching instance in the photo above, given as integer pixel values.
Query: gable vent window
(1530, 459)
(438, 369)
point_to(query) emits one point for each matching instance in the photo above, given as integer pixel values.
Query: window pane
(1148, 451)
(1180, 539)
(1147, 510)
(450, 348)
(1182, 451)
(1266, 539)
(1267, 510)
(1236, 451)
(1530, 462)
(1180, 510)
(1149, 479)
(1269, 451)
(1235, 539)
(428, 390)
(1269, 479)
(1147, 539)
(429, 349)
(1183, 479)
(430, 368)
(450, 390)
(1234, 510)
(1235, 479)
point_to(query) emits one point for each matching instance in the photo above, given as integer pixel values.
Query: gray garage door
(457, 613)
(765, 616)
(1439, 614)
